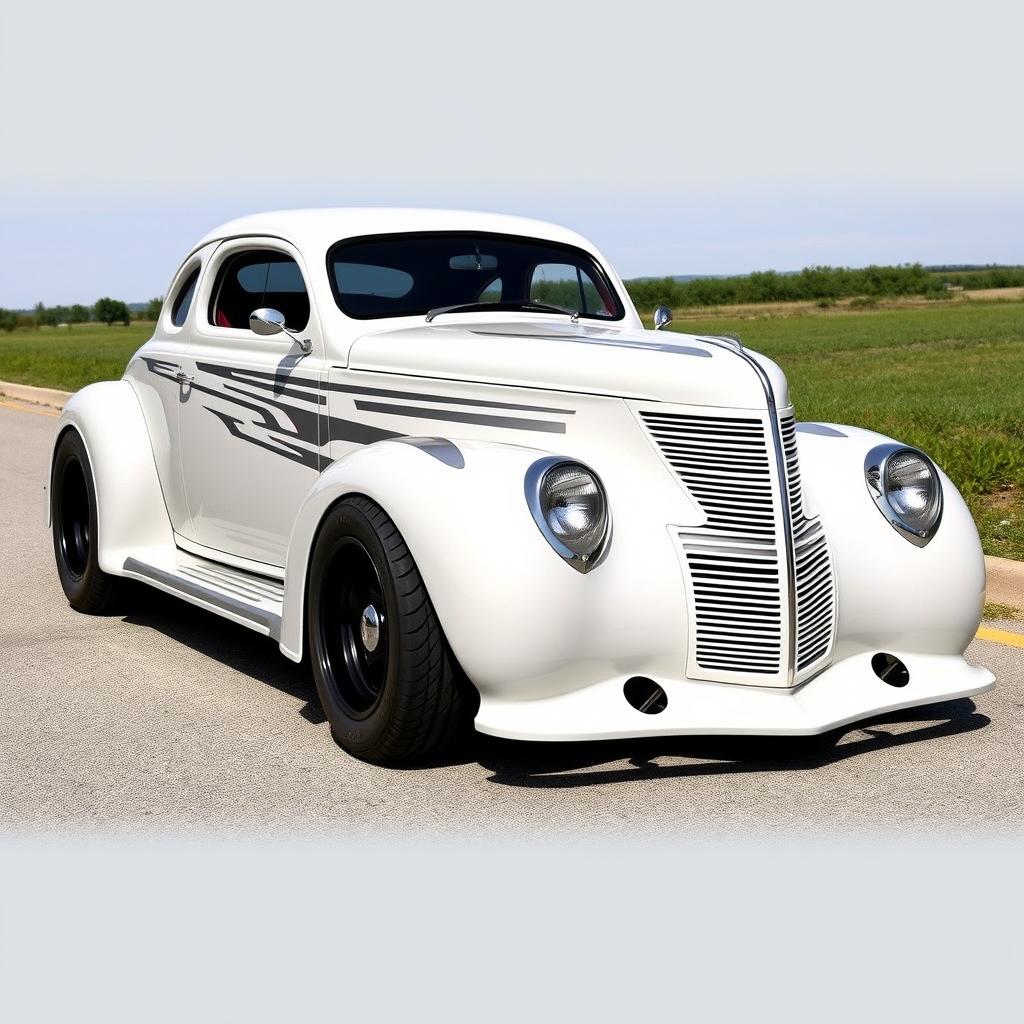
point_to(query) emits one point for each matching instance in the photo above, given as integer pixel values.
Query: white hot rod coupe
(437, 454)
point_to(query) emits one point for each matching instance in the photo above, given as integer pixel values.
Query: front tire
(73, 512)
(386, 678)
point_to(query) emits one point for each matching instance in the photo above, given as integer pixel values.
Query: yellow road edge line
(39, 411)
(1001, 636)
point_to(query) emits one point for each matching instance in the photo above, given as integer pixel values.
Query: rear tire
(387, 680)
(73, 512)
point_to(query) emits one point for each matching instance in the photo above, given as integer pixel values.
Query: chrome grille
(815, 591)
(815, 597)
(737, 607)
(736, 562)
(787, 427)
(724, 464)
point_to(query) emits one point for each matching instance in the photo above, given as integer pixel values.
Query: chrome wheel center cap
(369, 628)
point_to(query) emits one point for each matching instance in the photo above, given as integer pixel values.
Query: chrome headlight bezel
(534, 485)
(876, 465)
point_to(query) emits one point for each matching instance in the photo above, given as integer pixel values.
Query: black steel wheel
(74, 517)
(353, 632)
(388, 682)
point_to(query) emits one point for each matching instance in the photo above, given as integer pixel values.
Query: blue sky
(680, 139)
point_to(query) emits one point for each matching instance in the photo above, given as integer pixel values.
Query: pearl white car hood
(585, 358)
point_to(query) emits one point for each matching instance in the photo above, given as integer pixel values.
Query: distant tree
(8, 319)
(152, 310)
(111, 311)
(79, 314)
(44, 317)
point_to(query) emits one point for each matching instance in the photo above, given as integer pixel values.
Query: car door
(155, 374)
(250, 420)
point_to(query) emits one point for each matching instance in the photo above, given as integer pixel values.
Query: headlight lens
(574, 507)
(569, 506)
(906, 487)
(912, 488)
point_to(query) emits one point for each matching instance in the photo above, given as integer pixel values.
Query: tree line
(815, 284)
(103, 311)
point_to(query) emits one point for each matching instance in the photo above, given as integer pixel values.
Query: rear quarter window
(183, 300)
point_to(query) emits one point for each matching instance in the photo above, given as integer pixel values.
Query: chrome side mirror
(662, 316)
(266, 322)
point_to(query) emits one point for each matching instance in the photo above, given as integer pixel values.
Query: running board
(245, 598)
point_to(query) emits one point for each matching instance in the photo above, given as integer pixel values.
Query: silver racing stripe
(276, 382)
(280, 419)
(412, 396)
(457, 416)
(282, 428)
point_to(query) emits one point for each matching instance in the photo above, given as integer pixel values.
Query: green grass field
(948, 378)
(68, 358)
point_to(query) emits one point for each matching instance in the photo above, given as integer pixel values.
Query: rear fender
(132, 516)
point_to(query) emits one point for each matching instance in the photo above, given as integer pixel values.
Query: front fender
(519, 619)
(433, 493)
(132, 516)
(891, 594)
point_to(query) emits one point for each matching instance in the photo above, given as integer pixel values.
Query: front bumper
(847, 692)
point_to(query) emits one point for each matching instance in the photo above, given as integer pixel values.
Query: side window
(565, 284)
(183, 300)
(491, 292)
(254, 279)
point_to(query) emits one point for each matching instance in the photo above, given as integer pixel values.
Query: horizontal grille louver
(724, 464)
(815, 598)
(787, 426)
(737, 608)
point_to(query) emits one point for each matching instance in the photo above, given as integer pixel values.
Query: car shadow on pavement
(568, 765)
(227, 642)
(563, 765)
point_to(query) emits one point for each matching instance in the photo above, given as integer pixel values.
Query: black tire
(73, 512)
(404, 697)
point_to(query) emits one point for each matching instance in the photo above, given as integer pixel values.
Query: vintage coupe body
(437, 454)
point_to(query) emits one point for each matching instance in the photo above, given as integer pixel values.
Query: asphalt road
(166, 717)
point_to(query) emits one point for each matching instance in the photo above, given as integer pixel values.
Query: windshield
(412, 274)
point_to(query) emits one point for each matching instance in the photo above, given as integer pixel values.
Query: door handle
(183, 378)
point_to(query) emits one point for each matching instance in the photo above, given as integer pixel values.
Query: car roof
(317, 229)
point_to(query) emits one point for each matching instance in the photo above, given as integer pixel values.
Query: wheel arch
(131, 513)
